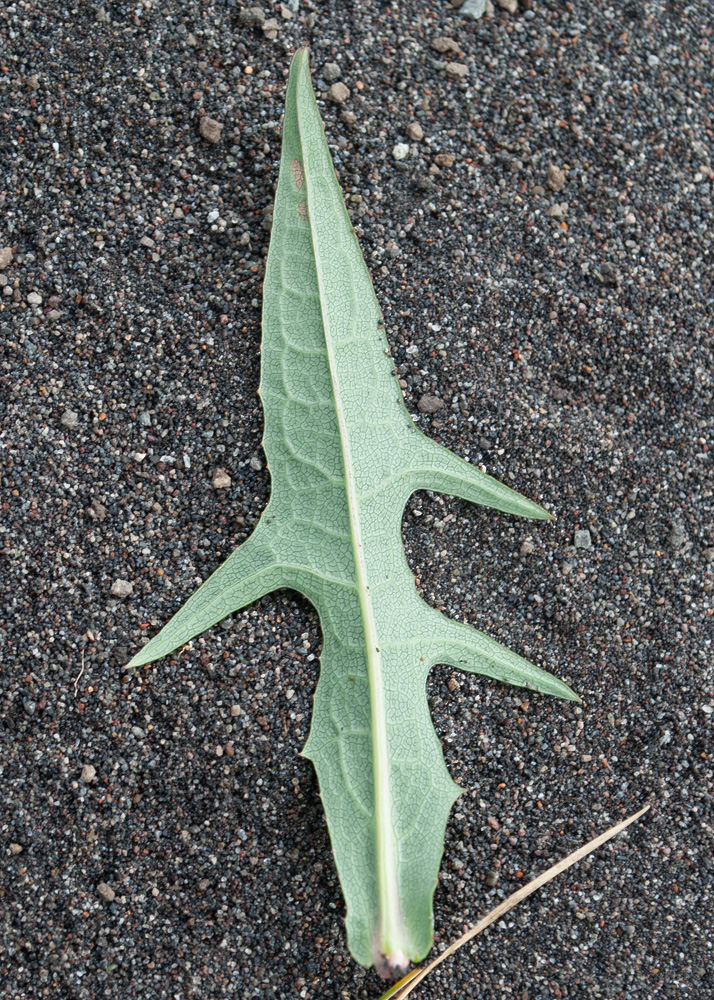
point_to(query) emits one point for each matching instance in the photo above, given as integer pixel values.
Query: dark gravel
(550, 281)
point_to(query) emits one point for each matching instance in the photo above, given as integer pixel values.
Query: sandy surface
(550, 280)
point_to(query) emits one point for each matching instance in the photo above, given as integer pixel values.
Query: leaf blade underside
(344, 456)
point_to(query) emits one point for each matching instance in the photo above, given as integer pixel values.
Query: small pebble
(444, 159)
(210, 129)
(472, 10)
(457, 70)
(558, 210)
(415, 132)
(105, 892)
(122, 588)
(69, 419)
(331, 72)
(16, 848)
(509, 5)
(221, 480)
(582, 539)
(5, 257)
(400, 151)
(430, 404)
(444, 45)
(338, 93)
(97, 511)
(555, 178)
(252, 16)
(677, 537)
(88, 773)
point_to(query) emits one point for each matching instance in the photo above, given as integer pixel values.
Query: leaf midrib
(390, 921)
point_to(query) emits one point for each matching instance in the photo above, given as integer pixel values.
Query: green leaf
(344, 456)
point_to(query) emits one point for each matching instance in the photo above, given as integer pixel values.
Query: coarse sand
(533, 195)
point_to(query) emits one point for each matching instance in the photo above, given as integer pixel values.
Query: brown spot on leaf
(296, 167)
(302, 211)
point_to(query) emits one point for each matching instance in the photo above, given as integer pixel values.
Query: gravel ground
(543, 258)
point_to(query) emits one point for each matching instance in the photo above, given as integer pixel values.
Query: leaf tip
(303, 52)
(538, 513)
(140, 659)
(569, 695)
